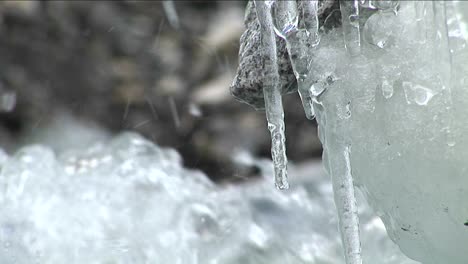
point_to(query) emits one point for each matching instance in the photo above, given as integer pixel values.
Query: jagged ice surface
(129, 201)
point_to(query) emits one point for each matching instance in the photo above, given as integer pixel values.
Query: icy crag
(129, 201)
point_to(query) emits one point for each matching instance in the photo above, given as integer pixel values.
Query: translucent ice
(129, 201)
(351, 28)
(272, 89)
(397, 103)
(389, 92)
(299, 41)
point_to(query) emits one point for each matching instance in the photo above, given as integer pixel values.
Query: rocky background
(131, 65)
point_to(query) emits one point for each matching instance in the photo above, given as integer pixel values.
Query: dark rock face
(247, 85)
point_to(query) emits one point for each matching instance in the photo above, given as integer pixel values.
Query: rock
(248, 82)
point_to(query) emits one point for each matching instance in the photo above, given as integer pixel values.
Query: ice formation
(129, 201)
(272, 94)
(392, 116)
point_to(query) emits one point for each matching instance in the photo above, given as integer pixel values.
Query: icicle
(171, 13)
(298, 40)
(346, 205)
(350, 20)
(311, 20)
(306, 91)
(272, 94)
(444, 50)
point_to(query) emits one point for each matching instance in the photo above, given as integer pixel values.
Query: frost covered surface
(129, 201)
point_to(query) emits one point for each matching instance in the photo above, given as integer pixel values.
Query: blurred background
(83, 69)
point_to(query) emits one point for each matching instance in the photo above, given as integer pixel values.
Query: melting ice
(390, 100)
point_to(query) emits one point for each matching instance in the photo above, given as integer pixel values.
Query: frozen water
(390, 99)
(129, 201)
(272, 90)
(397, 106)
(350, 23)
(299, 41)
